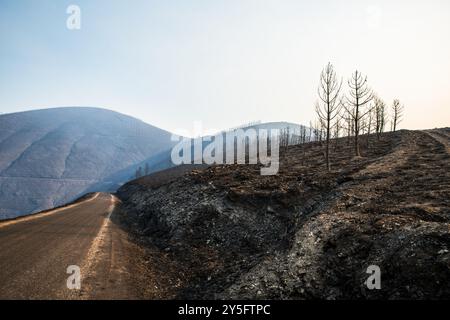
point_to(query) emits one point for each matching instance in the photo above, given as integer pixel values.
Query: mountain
(162, 160)
(281, 125)
(48, 157)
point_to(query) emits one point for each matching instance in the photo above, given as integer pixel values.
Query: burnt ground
(227, 232)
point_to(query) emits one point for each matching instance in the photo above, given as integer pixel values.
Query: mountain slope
(305, 232)
(48, 157)
(163, 159)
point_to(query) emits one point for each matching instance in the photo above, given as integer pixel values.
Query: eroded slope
(305, 233)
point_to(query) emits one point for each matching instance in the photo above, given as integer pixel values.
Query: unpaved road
(36, 251)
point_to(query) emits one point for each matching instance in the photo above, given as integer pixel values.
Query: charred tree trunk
(360, 96)
(329, 106)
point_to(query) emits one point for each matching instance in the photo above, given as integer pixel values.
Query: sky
(223, 63)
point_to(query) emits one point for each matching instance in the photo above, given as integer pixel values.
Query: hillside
(48, 157)
(228, 232)
(163, 160)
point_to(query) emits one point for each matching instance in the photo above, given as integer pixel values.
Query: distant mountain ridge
(162, 160)
(50, 156)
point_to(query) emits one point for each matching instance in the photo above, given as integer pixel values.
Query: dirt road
(36, 251)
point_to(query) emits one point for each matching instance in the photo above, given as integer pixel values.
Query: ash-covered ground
(225, 232)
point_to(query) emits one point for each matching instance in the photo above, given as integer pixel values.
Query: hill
(228, 232)
(162, 160)
(49, 157)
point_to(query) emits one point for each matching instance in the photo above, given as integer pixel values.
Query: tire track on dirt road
(35, 252)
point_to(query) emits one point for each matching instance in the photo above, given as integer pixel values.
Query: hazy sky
(223, 62)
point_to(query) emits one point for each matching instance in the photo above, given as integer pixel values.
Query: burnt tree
(397, 114)
(328, 107)
(380, 116)
(357, 103)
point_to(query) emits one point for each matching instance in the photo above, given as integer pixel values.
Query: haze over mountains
(162, 160)
(49, 157)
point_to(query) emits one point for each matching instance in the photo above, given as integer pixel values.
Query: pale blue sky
(222, 62)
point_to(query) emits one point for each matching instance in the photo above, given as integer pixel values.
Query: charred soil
(224, 232)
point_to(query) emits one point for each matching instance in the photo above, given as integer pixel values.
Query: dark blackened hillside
(228, 232)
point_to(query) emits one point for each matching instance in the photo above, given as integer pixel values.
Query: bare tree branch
(360, 95)
(329, 107)
(397, 109)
